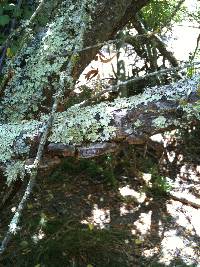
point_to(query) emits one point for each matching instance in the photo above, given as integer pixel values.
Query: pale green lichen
(25, 92)
(77, 126)
(160, 122)
(89, 124)
(12, 138)
(138, 123)
(192, 111)
(10, 132)
(15, 170)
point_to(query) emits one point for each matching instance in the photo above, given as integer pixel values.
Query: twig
(185, 201)
(188, 26)
(196, 48)
(116, 87)
(33, 169)
(13, 226)
(112, 41)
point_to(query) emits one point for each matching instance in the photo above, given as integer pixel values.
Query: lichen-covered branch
(32, 170)
(138, 42)
(94, 130)
(34, 74)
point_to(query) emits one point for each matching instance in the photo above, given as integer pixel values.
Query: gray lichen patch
(192, 111)
(25, 92)
(160, 122)
(14, 170)
(92, 124)
(12, 138)
(96, 123)
(10, 132)
(138, 123)
(88, 124)
(174, 92)
(79, 125)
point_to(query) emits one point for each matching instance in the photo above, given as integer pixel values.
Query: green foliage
(158, 14)
(160, 185)
(4, 19)
(8, 12)
(146, 164)
(192, 70)
(83, 246)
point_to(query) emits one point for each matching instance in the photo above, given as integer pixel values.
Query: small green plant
(160, 185)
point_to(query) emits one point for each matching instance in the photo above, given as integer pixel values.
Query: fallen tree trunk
(95, 130)
(35, 75)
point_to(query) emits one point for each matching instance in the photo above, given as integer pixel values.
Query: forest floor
(78, 219)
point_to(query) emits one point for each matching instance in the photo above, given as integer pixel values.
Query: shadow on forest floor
(76, 220)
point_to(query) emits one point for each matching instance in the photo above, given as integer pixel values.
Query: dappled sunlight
(100, 217)
(146, 177)
(180, 240)
(99, 129)
(124, 210)
(143, 224)
(39, 236)
(174, 246)
(177, 229)
(190, 171)
(127, 191)
(185, 216)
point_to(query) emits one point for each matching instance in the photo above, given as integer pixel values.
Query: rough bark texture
(84, 132)
(94, 130)
(106, 23)
(35, 73)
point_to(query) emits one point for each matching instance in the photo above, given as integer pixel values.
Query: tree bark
(36, 73)
(95, 130)
(33, 76)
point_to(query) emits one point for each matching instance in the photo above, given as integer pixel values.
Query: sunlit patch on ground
(178, 227)
(183, 239)
(100, 217)
(143, 224)
(40, 235)
(127, 191)
(174, 246)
